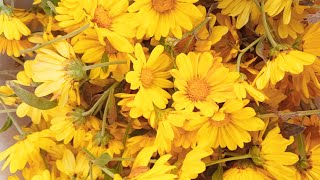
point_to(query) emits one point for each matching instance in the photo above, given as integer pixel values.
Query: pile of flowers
(163, 89)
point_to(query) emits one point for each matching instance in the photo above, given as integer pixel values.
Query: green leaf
(104, 159)
(45, 5)
(6, 125)
(31, 99)
(218, 174)
(104, 59)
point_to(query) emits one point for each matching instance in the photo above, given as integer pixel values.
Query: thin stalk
(266, 26)
(17, 60)
(105, 113)
(197, 28)
(13, 119)
(243, 51)
(246, 156)
(86, 68)
(67, 36)
(8, 111)
(290, 114)
(301, 146)
(100, 100)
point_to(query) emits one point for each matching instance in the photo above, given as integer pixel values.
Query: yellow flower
(44, 175)
(192, 164)
(20, 153)
(13, 47)
(5, 93)
(202, 81)
(93, 51)
(11, 27)
(275, 69)
(150, 77)
(59, 71)
(310, 40)
(272, 155)
(232, 119)
(274, 8)
(244, 10)
(244, 173)
(159, 17)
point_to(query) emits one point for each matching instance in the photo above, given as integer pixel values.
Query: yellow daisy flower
(93, 51)
(233, 117)
(159, 17)
(20, 153)
(11, 27)
(202, 81)
(59, 71)
(13, 47)
(275, 69)
(274, 8)
(192, 164)
(243, 10)
(275, 160)
(311, 39)
(150, 77)
(239, 172)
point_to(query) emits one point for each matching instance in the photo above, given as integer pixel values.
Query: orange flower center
(109, 48)
(162, 6)
(146, 77)
(102, 18)
(197, 90)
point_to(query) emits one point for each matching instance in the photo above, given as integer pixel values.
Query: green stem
(73, 33)
(100, 100)
(197, 28)
(86, 68)
(266, 26)
(301, 146)
(243, 51)
(8, 111)
(13, 119)
(105, 113)
(289, 114)
(246, 156)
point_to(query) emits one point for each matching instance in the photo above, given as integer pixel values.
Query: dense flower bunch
(163, 89)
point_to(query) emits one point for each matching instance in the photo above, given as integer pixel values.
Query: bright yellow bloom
(272, 155)
(13, 47)
(244, 173)
(160, 17)
(11, 27)
(232, 119)
(192, 164)
(20, 153)
(275, 69)
(150, 77)
(275, 7)
(44, 175)
(311, 39)
(93, 50)
(59, 71)
(243, 10)
(202, 81)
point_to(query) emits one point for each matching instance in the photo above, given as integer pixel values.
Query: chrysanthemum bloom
(232, 119)
(202, 81)
(311, 39)
(239, 172)
(150, 78)
(11, 27)
(292, 61)
(274, 8)
(94, 51)
(59, 71)
(244, 11)
(13, 47)
(160, 17)
(228, 47)
(192, 164)
(272, 156)
(20, 153)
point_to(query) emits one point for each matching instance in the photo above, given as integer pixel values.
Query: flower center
(146, 77)
(197, 90)
(102, 18)
(109, 48)
(162, 6)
